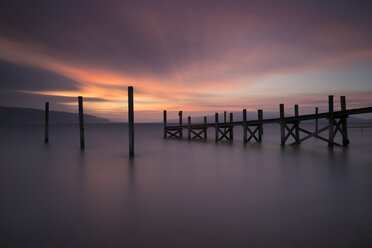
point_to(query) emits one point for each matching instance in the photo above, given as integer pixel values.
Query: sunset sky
(196, 56)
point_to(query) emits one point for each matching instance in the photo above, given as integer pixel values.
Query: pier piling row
(290, 129)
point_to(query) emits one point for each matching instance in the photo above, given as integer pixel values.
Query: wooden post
(216, 126)
(224, 120)
(316, 119)
(131, 121)
(189, 127)
(46, 140)
(165, 123)
(81, 122)
(345, 140)
(330, 121)
(232, 127)
(297, 130)
(260, 131)
(282, 134)
(180, 123)
(244, 126)
(205, 127)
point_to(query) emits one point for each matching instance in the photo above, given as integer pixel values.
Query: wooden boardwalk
(289, 126)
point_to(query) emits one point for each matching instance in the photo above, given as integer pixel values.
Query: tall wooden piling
(282, 124)
(316, 119)
(180, 123)
(205, 128)
(46, 140)
(345, 136)
(81, 122)
(165, 123)
(245, 126)
(189, 127)
(260, 118)
(330, 121)
(297, 130)
(216, 125)
(232, 127)
(131, 121)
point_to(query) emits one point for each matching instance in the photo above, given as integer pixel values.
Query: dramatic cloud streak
(194, 55)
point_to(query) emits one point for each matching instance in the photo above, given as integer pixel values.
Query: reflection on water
(180, 193)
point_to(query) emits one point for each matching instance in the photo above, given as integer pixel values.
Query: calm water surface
(180, 193)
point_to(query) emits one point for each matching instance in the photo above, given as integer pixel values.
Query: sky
(196, 56)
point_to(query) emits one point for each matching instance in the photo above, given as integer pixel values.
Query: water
(179, 193)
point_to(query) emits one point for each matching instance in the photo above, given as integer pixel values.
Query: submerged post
(245, 126)
(330, 121)
(297, 130)
(282, 134)
(231, 127)
(216, 125)
(345, 136)
(180, 123)
(316, 119)
(131, 121)
(46, 140)
(165, 123)
(81, 122)
(205, 127)
(260, 131)
(189, 127)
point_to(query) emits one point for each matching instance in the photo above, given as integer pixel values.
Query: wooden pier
(290, 128)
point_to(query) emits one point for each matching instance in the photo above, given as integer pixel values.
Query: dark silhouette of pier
(289, 126)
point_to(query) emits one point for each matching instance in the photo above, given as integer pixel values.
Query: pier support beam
(282, 124)
(46, 139)
(189, 127)
(180, 123)
(205, 128)
(131, 121)
(81, 123)
(330, 121)
(244, 126)
(165, 123)
(297, 125)
(316, 119)
(216, 126)
(345, 136)
(260, 118)
(232, 127)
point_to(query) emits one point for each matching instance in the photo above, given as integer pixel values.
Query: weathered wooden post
(189, 127)
(46, 140)
(316, 119)
(131, 121)
(244, 126)
(330, 121)
(260, 131)
(81, 122)
(224, 121)
(297, 130)
(165, 123)
(231, 127)
(345, 136)
(180, 123)
(282, 124)
(216, 125)
(205, 127)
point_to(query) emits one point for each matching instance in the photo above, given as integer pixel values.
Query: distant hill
(36, 116)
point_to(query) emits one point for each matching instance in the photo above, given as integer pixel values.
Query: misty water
(179, 193)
